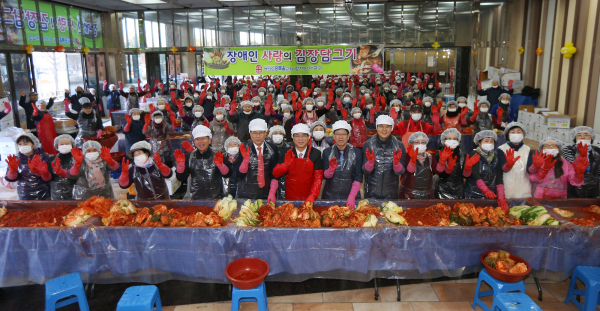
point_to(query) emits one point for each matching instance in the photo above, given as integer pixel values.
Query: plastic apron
(219, 135)
(453, 186)
(82, 190)
(30, 186)
(487, 172)
(160, 141)
(309, 120)
(452, 122)
(149, 183)
(62, 188)
(406, 135)
(300, 178)
(184, 126)
(247, 186)
(87, 128)
(198, 121)
(505, 113)
(589, 189)
(483, 122)
(323, 146)
(281, 189)
(340, 185)
(167, 117)
(133, 101)
(427, 118)
(358, 135)
(205, 181)
(46, 126)
(516, 182)
(418, 185)
(382, 182)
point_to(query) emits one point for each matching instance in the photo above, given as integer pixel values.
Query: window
(74, 70)
(129, 24)
(210, 27)
(151, 29)
(253, 39)
(135, 66)
(166, 28)
(195, 24)
(51, 74)
(4, 75)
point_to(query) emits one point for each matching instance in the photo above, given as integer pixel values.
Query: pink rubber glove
(486, 191)
(371, 160)
(411, 167)
(104, 84)
(501, 199)
(245, 151)
(351, 201)
(332, 166)
(273, 191)
(7, 107)
(180, 160)
(99, 134)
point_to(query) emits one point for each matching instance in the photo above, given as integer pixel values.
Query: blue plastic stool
(258, 294)
(63, 287)
(498, 287)
(140, 298)
(514, 302)
(590, 276)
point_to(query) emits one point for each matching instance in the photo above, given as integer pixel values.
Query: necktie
(300, 156)
(341, 158)
(261, 169)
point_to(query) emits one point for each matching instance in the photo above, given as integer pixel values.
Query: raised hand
(147, 119)
(77, 155)
(548, 163)
(105, 154)
(125, 167)
(344, 114)
(179, 156)
(451, 164)
(437, 85)
(333, 163)
(152, 109)
(538, 159)
(157, 160)
(40, 165)
(128, 119)
(245, 151)
(479, 85)
(35, 110)
(510, 84)
(580, 165)
(510, 157)
(289, 158)
(412, 153)
(121, 85)
(370, 155)
(393, 113)
(298, 116)
(33, 165)
(13, 163)
(583, 149)
(187, 146)
(445, 155)
(470, 161)
(397, 156)
(463, 113)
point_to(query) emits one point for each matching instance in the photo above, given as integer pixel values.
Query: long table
(153, 255)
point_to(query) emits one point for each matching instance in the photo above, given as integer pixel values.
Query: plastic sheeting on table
(153, 255)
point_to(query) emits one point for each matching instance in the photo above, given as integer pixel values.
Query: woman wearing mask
(208, 103)
(454, 118)
(186, 110)
(462, 108)
(515, 160)
(134, 129)
(417, 180)
(257, 105)
(482, 170)
(481, 119)
(309, 115)
(221, 129)
(262, 95)
(277, 134)
(553, 174)
(30, 169)
(159, 136)
(322, 104)
(242, 118)
(232, 146)
(91, 170)
(147, 174)
(165, 109)
(431, 113)
(44, 125)
(286, 118)
(61, 186)
(493, 93)
(358, 134)
(583, 137)
(88, 121)
(318, 134)
(407, 127)
(395, 108)
(450, 163)
(199, 117)
(502, 109)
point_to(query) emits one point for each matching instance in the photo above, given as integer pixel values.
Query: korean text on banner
(289, 60)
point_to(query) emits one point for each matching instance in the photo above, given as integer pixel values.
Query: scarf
(94, 173)
(489, 156)
(450, 114)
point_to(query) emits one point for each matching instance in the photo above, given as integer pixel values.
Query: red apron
(47, 133)
(309, 120)
(452, 122)
(299, 180)
(408, 133)
(359, 133)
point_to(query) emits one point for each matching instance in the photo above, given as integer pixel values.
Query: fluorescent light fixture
(144, 1)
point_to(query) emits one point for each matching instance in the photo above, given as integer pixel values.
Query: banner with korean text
(284, 60)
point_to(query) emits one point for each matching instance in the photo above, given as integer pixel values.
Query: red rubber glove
(33, 165)
(485, 190)
(13, 163)
(77, 156)
(268, 107)
(469, 162)
(463, 113)
(372, 113)
(363, 101)
(397, 156)
(124, 178)
(57, 169)
(354, 101)
(499, 113)
(580, 165)
(437, 85)
(479, 85)
(538, 160)
(510, 84)
(164, 169)
(245, 151)
(128, 119)
(104, 85)
(510, 159)
(503, 204)
(344, 114)
(475, 113)
(226, 125)
(548, 164)
(451, 164)
(233, 108)
(316, 186)
(412, 153)
(583, 150)
(445, 155)
(35, 110)
(333, 163)
(187, 146)
(370, 156)
(42, 168)
(99, 134)
(298, 116)
(105, 155)
(180, 160)
(294, 97)
(120, 85)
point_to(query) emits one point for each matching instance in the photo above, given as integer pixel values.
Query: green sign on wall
(283, 60)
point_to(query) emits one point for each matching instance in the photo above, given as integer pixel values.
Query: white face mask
(140, 160)
(427, 104)
(320, 104)
(261, 93)
(587, 142)
(552, 152)
(318, 135)
(394, 91)
(247, 112)
(222, 91)
(367, 95)
(430, 87)
(315, 93)
(233, 150)
(452, 143)
(158, 121)
(286, 114)
(420, 148)
(198, 114)
(270, 89)
(462, 105)
(209, 97)
(25, 149)
(386, 89)
(484, 110)
(416, 116)
(219, 117)
(136, 118)
(487, 147)
(495, 86)
(161, 107)
(277, 138)
(64, 149)
(347, 99)
(369, 106)
(397, 108)
(505, 102)
(452, 109)
(356, 115)
(92, 156)
(309, 107)
(189, 104)
(515, 138)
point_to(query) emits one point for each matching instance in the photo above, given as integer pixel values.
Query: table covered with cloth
(153, 255)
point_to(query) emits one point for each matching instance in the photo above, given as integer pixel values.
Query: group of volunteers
(268, 138)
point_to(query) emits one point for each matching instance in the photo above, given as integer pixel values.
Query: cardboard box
(542, 129)
(65, 124)
(518, 86)
(172, 183)
(505, 77)
(560, 121)
(539, 110)
(539, 136)
(486, 84)
(528, 108)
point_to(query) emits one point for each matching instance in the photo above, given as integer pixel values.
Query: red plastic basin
(247, 273)
(117, 156)
(506, 277)
(108, 142)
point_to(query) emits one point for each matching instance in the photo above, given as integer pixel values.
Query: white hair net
(321, 123)
(504, 95)
(64, 136)
(157, 112)
(511, 126)
(35, 140)
(132, 110)
(276, 128)
(91, 144)
(355, 110)
(418, 135)
(198, 108)
(462, 98)
(585, 129)
(140, 145)
(450, 131)
(483, 134)
(483, 101)
(552, 139)
(230, 139)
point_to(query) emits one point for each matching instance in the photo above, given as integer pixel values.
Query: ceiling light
(145, 1)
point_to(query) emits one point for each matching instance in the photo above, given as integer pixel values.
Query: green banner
(30, 18)
(47, 20)
(284, 60)
(62, 23)
(75, 28)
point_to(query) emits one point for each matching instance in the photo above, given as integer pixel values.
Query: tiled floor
(442, 296)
